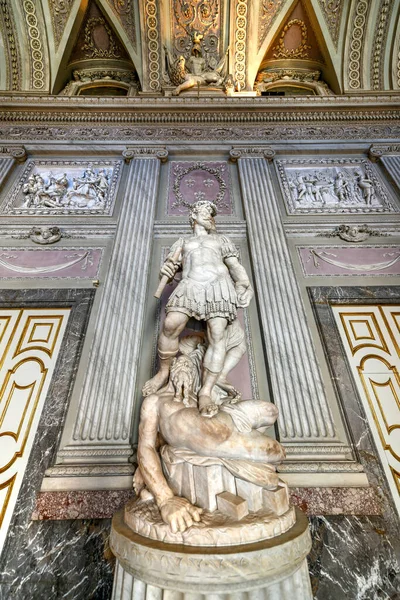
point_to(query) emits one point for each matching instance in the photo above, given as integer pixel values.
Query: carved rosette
(14, 61)
(240, 43)
(357, 42)
(35, 45)
(153, 44)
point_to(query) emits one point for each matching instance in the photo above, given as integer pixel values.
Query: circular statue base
(274, 568)
(215, 529)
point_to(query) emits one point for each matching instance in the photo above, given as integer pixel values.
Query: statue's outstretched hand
(244, 294)
(179, 514)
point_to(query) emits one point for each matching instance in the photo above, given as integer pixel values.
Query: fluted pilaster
(392, 165)
(106, 404)
(295, 376)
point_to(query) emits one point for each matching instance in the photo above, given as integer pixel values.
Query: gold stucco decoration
(280, 50)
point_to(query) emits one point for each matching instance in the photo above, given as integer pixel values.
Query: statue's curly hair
(194, 207)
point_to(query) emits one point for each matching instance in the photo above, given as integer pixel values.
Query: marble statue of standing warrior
(213, 286)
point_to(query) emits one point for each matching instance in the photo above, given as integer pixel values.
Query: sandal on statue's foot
(210, 410)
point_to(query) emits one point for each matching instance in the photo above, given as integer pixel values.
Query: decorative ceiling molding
(240, 43)
(13, 58)
(59, 11)
(36, 33)
(396, 57)
(38, 59)
(124, 10)
(268, 12)
(332, 11)
(197, 17)
(358, 24)
(379, 44)
(151, 46)
(96, 38)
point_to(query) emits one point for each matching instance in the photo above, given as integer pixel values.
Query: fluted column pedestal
(274, 569)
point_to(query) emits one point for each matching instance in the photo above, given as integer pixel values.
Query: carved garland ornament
(240, 43)
(357, 42)
(301, 51)
(13, 62)
(90, 48)
(38, 74)
(153, 44)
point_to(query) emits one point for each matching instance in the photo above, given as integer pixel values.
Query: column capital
(376, 151)
(132, 152)
(17, 152)
(266, 152)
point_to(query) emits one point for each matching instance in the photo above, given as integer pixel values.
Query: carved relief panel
(332, 186)
(64, 188)
(63, 263)
(341, 261)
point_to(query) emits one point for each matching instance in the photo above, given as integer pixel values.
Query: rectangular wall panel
(30, 341)
(371, 338)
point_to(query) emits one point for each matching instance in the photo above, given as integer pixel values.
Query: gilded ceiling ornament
(280, 50)
(125, 12)
(332, 10)
(196, 15)
(14, 62)
(153, 44)
(269, 9)
(240, 44)
(380, 39)
(60, 11)
(90, 47)
(35, 46)
(359, 19)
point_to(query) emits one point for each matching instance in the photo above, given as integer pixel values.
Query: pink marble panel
(193, 181)
(367, 261)
(80, 263)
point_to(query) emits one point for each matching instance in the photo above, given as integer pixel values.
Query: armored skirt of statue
(215, 297)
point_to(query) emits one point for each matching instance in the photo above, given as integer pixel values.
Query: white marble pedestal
(274, 569)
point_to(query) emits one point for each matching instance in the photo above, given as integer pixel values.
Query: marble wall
(57, 546)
